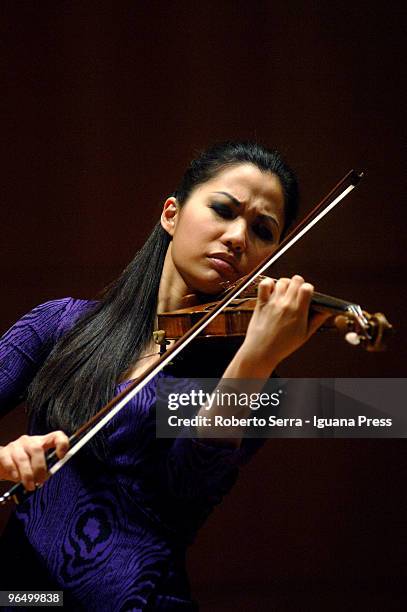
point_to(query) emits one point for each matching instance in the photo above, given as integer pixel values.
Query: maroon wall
(103, 105)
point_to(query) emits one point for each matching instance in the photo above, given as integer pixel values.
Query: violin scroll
(373, 337)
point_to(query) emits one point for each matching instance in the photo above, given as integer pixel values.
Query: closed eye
(260, 229)
(223, 210)
(264, 233)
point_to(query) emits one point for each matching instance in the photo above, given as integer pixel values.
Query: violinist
(111, 528)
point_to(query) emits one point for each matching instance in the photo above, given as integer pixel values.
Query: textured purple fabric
(114, 536)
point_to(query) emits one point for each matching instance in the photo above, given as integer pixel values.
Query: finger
(305, 292)
(38, 462)
(8, 468)
(281, 286)
(22, 461)
(293, 287)
(58, 440)
(264, 290)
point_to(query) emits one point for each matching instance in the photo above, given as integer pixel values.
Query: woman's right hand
(23, 460)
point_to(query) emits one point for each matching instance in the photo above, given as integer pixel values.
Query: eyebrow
(238, 204)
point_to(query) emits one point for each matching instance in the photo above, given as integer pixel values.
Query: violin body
(232, 321)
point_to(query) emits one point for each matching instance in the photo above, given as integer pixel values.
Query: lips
(224, 263)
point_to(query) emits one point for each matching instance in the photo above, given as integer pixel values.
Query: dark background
(102, 105)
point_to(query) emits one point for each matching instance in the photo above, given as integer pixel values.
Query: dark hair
(225, 154)
(85, 365)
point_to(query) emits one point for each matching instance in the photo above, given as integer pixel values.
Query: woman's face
(226, 227)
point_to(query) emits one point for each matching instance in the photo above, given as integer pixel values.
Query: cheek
(186, 244)
(257, 257)
(195, 232)
(188, 238)
(261, 253)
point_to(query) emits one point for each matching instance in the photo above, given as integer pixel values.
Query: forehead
(250, 186)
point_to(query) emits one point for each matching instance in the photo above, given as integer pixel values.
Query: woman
(110, 529)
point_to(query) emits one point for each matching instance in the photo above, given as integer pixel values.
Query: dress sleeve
(24, 348)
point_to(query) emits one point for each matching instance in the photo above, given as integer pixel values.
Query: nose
(235, 237)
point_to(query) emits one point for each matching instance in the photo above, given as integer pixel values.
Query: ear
(169, 215)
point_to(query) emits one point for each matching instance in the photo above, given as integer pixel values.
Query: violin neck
(327, 303)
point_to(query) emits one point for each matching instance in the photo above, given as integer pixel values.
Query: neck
(173, 292)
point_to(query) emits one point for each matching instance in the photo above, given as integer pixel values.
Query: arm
(23, 350)
(203, 467)
(281, 323)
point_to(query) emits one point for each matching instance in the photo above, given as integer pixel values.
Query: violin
(358, 327)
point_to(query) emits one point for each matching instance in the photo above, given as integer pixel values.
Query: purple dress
(113, 536)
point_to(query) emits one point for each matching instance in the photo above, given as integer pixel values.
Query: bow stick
(105, 414)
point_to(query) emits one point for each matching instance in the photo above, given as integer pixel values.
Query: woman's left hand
(281, 321)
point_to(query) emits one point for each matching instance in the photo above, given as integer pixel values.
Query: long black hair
(84, 367)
